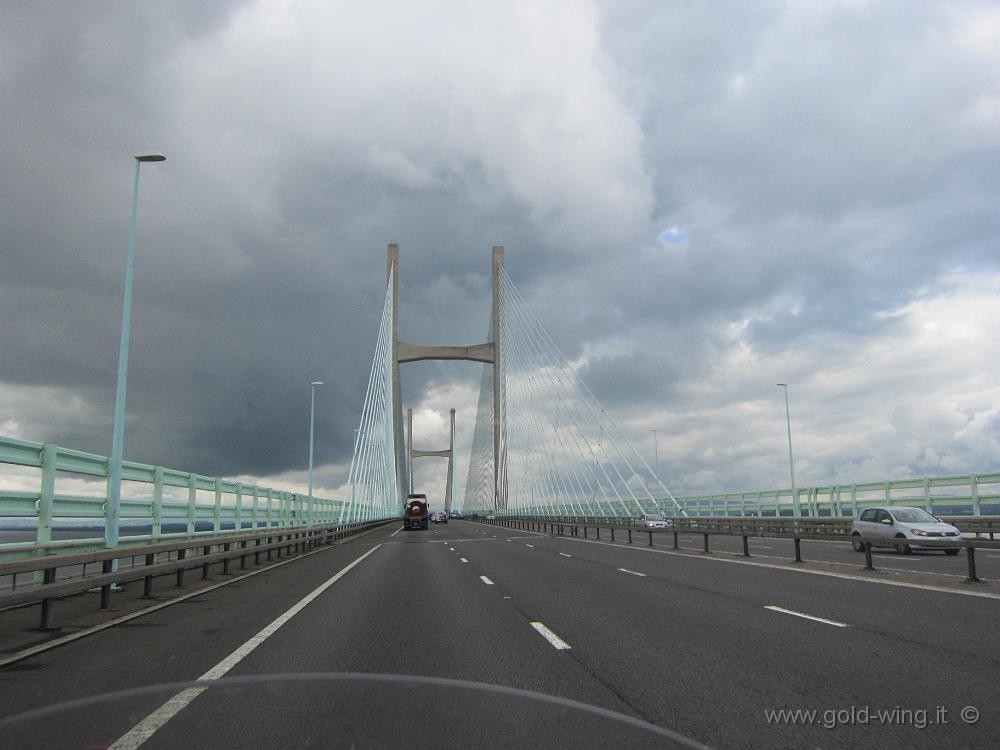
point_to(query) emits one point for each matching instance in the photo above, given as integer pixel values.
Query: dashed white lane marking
(395, 532)
(806, 571)
(463, 560)
(452, 549)
(530, 545)
(565, 555)
(807, 617)
(145, 729)
(632, 572)
(486, 580)
(557, 643)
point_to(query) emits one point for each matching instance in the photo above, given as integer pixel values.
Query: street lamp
(796, 508)
(113, 513)
(312, 421)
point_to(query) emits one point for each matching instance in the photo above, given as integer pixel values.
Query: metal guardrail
(217, 550)
(227, 501)
(797, 529)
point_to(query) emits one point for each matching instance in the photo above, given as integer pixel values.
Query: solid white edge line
(557, 643)
(486, 580)
(145, 729)
(57, 642)
(396, 532)
(803, 615)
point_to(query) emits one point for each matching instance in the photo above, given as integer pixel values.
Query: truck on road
(415, 515)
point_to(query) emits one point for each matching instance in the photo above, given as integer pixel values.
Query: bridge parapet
(174, 504)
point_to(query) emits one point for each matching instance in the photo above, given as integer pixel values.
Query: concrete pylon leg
(409, 450)
(499, 468)
(451, 466)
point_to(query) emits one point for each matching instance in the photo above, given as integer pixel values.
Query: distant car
(442, 516)
(902, 528)
(490, 516)
(652, 521)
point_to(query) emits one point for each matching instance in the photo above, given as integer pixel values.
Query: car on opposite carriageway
(652, 521)
(903, 528)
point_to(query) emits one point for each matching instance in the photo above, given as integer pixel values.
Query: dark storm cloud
(830, 164)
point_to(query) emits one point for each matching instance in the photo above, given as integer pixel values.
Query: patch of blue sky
(673, 235)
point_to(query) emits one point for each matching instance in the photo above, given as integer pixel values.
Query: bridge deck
(687, 645)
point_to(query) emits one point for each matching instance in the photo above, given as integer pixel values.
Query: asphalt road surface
(725, 654)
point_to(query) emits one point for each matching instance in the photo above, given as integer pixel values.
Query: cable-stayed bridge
(230, 615)
(542, 444)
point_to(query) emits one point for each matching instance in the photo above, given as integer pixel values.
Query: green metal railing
(953, 495)
(227, 504)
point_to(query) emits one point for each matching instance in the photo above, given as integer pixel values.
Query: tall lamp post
(312, 422)
(113, 513)
(796, 507)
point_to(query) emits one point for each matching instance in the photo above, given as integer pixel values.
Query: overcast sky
(699, 200)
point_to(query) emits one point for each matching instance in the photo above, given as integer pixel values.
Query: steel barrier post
(630, 536)
(676, 545)
(147, 581)
(970, 553)
(798, 549)
(868, 556)
(106, 588)
(181, 554)
(46, 622)
(746, 546)
(204, 566)
(650, 537)
(706, 543)
(225, 562)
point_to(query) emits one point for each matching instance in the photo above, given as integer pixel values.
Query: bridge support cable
(667, 502)
(562, 453)
(572, 482)
(374, 480)
(544, 444)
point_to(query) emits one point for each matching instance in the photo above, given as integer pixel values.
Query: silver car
(652, 521)
(902, 528)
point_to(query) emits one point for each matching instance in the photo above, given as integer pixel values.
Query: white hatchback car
(652, 521)
(902, 528)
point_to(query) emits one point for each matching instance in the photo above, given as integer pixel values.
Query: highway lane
(691, 644)
(839, 553)
(683, 641)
